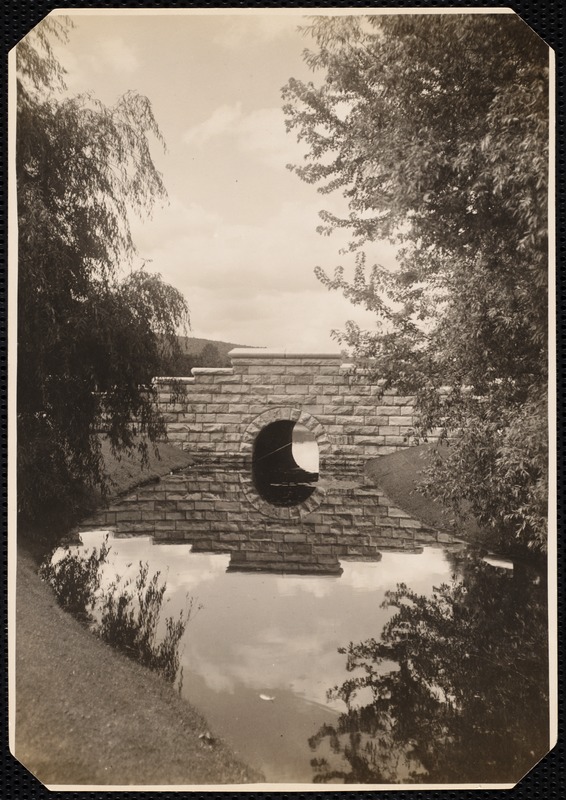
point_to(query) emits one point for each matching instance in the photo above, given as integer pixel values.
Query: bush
(126, 616)
(76, 579)
(129, 620)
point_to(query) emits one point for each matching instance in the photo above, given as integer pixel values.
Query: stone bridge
(243, 495)
(249, 410)
(223, 410)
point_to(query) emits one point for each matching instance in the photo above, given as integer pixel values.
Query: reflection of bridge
(206, 508)
(224, 412)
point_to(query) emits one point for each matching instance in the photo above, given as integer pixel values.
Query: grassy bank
(399, 475)
(88, 715)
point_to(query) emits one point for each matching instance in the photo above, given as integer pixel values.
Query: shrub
(127, 615)
(76, 578)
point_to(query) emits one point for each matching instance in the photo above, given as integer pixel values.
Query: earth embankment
(87, 715)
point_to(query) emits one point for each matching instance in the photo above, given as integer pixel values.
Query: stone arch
(250, 433)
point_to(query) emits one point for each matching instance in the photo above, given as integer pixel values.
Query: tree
(92, 329)
(454, 690)
(435, 130)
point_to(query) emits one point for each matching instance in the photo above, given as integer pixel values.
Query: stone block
(367, 410)
(397, 440)
(325, 380)
(388, 430)
(410, 523)
(228, 419)
(230, 536)
(404, 400)
(223, 378)
(164, 525)
(128, 516)
(265, 369)
(230, 441)
(297, 388)
(384, 410)
(385, 450)
(247, 411)
(296, 538)
(393, 420)
(373, 440)
(376, 421)
(169, 417)
(231, 389)
(426, 537)
(195, 398)
(361, 430)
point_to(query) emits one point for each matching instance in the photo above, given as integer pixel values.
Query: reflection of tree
(454, 691)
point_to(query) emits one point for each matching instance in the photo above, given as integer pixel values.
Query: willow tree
(435, 131)
(91, 328)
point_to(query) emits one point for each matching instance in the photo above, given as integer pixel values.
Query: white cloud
(111, 58)
(259, 133)
(234, 32)
(263, 133)
(222, 121)
(252, 284)
(117, 54)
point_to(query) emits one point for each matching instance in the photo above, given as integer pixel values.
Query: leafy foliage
(181, 364)
(90, 334)
(455, 689)
(129, 620)
(435, 131)
(76, 580)
(127, 616)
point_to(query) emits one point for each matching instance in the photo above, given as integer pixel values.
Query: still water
(272, 635)
(466, 667)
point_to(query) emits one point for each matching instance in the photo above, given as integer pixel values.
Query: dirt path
(86, 714)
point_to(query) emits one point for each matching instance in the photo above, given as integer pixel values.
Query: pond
(451, 683)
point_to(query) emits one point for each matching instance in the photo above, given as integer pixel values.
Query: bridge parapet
(223, 409)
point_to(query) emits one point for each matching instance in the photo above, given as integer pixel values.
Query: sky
(238, 235)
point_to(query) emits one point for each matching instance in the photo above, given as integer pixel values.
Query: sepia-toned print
(281, 400)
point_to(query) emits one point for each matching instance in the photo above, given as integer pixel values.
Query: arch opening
(285, 463)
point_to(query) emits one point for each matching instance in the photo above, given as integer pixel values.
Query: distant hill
(192, 345)
(196, 352)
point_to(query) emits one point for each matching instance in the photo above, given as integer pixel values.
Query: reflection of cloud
(127, 553)
(215, 675)
(272, 660)
(272, 633)
(292, 585)
(394, 568)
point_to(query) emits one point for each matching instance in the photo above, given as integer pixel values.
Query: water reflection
(454, 690)
(207, 508)
(446, 686)
(274, 634)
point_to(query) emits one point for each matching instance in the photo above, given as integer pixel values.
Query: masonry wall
(217, 413)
